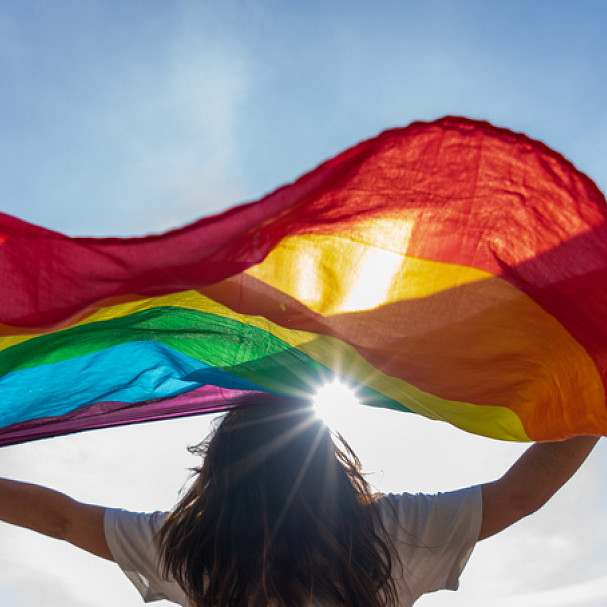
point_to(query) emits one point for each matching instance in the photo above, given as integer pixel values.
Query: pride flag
(451, 269)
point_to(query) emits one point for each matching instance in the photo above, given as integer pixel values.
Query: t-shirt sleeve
(131, 539)
(434, 536)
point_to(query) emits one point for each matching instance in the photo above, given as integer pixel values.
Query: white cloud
(591, 592)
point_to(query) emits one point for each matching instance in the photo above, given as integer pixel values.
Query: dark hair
(278, 514)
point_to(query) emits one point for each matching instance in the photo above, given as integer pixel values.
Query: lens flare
(334, 402)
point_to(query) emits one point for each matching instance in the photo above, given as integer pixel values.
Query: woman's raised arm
(54, 514)
(535, 477)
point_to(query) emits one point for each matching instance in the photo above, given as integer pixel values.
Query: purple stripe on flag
(207, 399)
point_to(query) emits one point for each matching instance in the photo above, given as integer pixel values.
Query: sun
(334, 402)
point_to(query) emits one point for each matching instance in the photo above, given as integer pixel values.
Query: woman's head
(278, 514)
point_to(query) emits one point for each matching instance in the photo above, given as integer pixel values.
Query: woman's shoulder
(422, 510)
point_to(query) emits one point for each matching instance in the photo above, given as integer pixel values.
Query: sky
(127, 118)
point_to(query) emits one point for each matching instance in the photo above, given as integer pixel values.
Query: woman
(280, 515)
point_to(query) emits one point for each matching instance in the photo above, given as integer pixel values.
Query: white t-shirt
(433, 534)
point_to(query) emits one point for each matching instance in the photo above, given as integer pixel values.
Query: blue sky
(133, 117)
(148, 105)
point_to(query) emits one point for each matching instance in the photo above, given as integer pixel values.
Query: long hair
(278, 514)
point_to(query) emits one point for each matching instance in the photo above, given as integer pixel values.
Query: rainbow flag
(452, 269)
